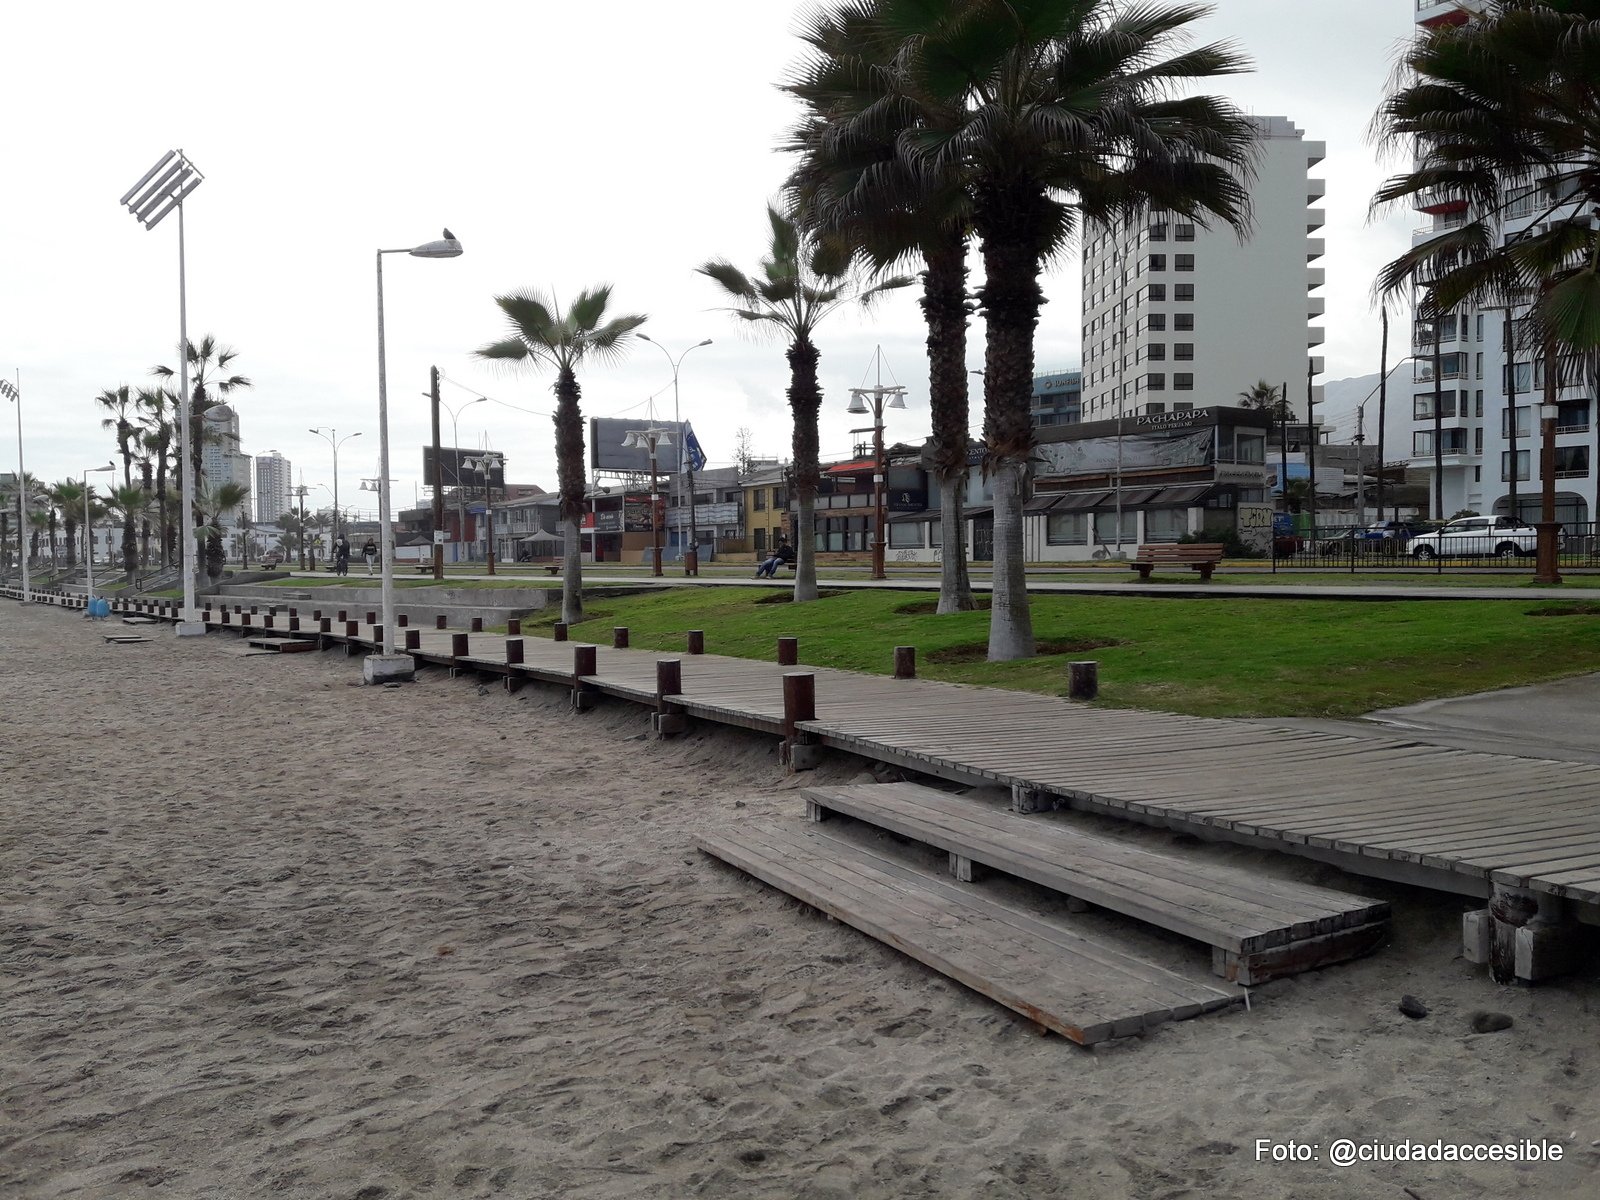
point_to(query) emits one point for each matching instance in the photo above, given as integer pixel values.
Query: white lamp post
(486, 463)
(160, 190)
(455, 442)
(333, 439)
(649, 439)
(89, 525)
(691, 556)
(13, 392)
(386, 665)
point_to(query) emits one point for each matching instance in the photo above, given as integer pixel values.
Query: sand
(265, 933)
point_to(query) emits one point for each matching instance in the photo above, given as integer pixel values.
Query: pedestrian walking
(370, 553)
(341, 556)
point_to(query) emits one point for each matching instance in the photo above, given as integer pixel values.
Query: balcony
(1435, 201)
(1316, 218)
(1315, 307)
(1451, 366)
(1437, 13)
(1315, 249)
(1315, 336)
(1316, 277)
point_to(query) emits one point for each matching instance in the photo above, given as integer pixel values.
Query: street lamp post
(89, 525)
(1547, 555)
(455, 444)
(691, 556)
(860, 398)
(486, 463)
(386, 665)
(331, 436)
(649, 439)
(13, 392)
(160, 190)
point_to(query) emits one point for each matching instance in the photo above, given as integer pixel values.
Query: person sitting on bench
(782, 556)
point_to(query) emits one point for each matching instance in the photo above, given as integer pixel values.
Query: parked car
(1476, 537)
(1381, 537)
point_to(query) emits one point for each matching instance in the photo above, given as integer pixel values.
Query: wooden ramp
(283, 645)
(1080, 987)
(1258, 927)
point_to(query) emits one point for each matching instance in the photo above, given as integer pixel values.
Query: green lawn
(1245, 657)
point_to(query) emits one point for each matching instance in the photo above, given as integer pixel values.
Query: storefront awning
(1081, 501)
(1179, 497)
(1044, 503)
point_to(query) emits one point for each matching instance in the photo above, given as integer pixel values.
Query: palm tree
(157, 406)
(130, 503)
(117, 401)
(800, 281)
(68, 496)
(214, 504)
(541, 334)
(1072, 110)
(209, 386)
(1266, 397)
(858, 180)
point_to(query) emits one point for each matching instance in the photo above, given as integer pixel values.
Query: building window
(1105, 527)
(1455, 442)
(760, 540)
(1184, 233)
(1165, 524)
(1158, 262)
(1183, 406)
(1156, 322)
(1505, 465)
(1183, 351)
(1184, 262)
(935, 534)
(1153, 409)
(1524, 428)
(905, 535)
(1158, 233)
(1477, 474)
(1183, 293)
(1480, 327)
(1157, 292)
(1477, 366)
(1572, 462)
(780, 498)
(760, 495)
(1066, 529)
(1156, 352)
(1477, 440)
(1183, 322)
(1183, 381)
(1155, 381)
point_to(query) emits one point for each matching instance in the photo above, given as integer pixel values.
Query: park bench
(1198, 556)
(1258, 927)
(552, 568)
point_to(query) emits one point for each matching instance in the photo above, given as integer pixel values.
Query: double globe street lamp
(691, 555)
(386, 665)
(88, 525)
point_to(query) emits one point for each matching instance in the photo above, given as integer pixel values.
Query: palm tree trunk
(1010, 299)
(130, 548)
(72, 543)
(944, 309)
(161, 506)
(570, 481)
(805, 402)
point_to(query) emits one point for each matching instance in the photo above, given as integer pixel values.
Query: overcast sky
(564, 144)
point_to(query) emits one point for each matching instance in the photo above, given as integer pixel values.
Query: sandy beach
(265, 932)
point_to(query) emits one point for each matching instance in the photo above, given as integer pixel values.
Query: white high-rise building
(1177, 316)
(272, 491)
(220, 458)
(1487, 455)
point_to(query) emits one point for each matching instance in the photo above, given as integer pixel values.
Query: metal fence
(1355, 549)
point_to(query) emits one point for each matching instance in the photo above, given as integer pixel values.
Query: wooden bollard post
(619, 637)
(352, 628)
(477, 625)
(697, 641)
(1083, 680)
(294, 624)
(344, 614)
(227, 617)
(377, 637)
(238, 610)
(438, 622)
(788, 651)
(458, 645)
(905, 662)
(254, 610)
(266, 621)
(513, 651)
(206, 616)
(514, 627)
(293, 611)
(324, 624)
(413, 639)
(372, 618)
(316, 614)
(668, 718)
(401, 621)
(584, 660)
(799, 704)
(558, 631)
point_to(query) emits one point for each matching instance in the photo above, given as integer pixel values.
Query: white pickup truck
(1476, 537)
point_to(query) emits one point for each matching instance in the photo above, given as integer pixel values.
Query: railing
(1357, 548)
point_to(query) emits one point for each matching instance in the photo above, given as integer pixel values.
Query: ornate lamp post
(691, 555)
(1547, 558)
(486, 463)
(650, 439)
(860, 399)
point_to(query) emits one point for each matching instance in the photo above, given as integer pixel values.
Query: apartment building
(1178, 317)
(272, 494)
(1476, 367)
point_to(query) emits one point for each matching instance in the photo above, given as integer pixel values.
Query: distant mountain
(1342, 397)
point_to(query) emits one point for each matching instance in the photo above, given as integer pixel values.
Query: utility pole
(438, 476)
(1311, 450)
(301, 492)
(1383, 404)
(1283, 444)
(1438, 419)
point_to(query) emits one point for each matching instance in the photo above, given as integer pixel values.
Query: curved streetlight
(88, 609)
(691, 556)
(455, 444)
(13, 393)
(331, 436)
(385, 665)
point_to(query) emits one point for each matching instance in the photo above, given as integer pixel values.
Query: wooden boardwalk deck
(1380, 806)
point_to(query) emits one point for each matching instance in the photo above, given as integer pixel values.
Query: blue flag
(697, 456)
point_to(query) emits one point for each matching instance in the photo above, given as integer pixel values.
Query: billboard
(607, 453)
(454, 474)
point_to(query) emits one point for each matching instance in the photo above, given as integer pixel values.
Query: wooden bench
(1199, 556)
(1061, 979)
(1258, 927)
(552, 568)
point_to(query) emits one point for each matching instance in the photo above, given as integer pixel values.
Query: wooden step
(1078, 986)
(283, 645)
(1259, 927)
